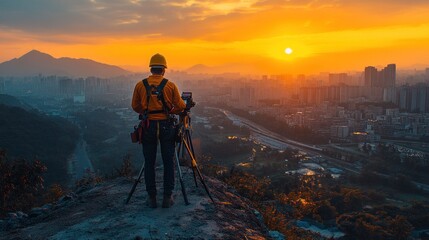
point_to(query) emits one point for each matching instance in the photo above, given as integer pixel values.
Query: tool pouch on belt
(137, 134)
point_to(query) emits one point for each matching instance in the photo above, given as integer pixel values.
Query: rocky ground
(99, 212)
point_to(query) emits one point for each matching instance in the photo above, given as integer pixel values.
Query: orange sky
(249, 36)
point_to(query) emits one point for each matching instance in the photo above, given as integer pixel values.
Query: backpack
(158, 91)
(137, 134)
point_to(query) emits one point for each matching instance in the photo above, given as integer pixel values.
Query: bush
(54, 193)
(89, 179)
(126, 169)
(21, 183)
(369, 226)
(250, 186)
(325, 211)
(274, 219)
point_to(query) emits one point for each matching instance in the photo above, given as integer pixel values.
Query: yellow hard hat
(158, 60)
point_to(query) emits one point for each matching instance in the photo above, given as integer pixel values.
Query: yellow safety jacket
(171, 95)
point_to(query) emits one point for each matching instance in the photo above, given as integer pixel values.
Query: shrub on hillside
(126, 169)
(21, 183)
(369, 226)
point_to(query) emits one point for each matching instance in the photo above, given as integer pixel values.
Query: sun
(288, 51)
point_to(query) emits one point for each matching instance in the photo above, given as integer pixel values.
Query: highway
(277, 141)
(79, 162)
(270, 137)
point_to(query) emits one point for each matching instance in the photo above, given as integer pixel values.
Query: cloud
(182, 19)
(91, 17)
(291, 3)
(208, 20)
(173, 18)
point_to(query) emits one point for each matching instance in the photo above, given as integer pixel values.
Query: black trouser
(164, 131)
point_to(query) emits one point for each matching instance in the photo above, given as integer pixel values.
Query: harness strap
(160, 95)
(148, 89)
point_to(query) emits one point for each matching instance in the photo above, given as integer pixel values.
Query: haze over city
(248, 36)
(276, 119)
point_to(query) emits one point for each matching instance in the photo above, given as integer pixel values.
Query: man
(164, 99)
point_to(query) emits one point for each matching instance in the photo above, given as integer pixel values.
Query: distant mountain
(200, 68)
(220, 69)
(35, 62)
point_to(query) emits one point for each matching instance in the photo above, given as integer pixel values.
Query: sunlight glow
(251, 36)
(288, 51)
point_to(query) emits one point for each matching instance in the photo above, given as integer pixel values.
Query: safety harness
(137, 135)
(158, 91)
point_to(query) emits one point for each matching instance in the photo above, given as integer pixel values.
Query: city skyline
(231, 36)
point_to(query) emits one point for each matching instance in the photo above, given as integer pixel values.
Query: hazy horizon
(201, 68)
(235, 36)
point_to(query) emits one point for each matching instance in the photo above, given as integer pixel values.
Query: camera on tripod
(187, 97)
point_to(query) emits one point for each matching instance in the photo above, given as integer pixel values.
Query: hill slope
(27, 134)
(100, 213)
(11, 101)
(35, 63)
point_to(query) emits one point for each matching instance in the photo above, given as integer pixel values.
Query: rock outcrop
(99, 212)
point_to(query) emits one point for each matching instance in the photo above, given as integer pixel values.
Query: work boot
(151, 202)
(168, 201)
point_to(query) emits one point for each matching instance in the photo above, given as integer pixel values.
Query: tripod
(183, 142)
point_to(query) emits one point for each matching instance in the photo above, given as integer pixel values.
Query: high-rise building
(423, 99)
(247, 96)
(385, 78)
(370, 76)
(404, 100)
(379, 82)
(389, 94)
(414, 98)
(389, 75)
(337, 78)
(427, 75)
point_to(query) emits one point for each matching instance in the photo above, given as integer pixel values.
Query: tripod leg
(181, 153)
(135, 185)
(195, 166)
(195, 177)
(188, 134)
(182, 149)
(204, 184)
(177, 151)
(187, 138)
(182, 184)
